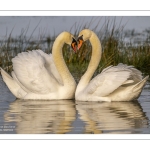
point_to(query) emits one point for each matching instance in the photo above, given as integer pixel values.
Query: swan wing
(136, 75)
(31, 71)
(111, 78)
(50, 66)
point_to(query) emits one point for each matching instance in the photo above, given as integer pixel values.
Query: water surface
(19, 116)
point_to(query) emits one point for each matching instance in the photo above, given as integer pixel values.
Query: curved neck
(59, 60)
(94, 62)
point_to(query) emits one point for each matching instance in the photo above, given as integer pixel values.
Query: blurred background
(124, 39)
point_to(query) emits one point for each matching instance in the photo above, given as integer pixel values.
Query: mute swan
(37, 75)
(114, 83)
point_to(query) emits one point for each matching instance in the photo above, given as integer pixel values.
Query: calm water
(70, 117)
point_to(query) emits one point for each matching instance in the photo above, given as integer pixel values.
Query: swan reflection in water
(114, 117)
(41, 116)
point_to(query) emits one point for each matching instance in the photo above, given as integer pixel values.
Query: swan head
(83, 36)
(70, 40)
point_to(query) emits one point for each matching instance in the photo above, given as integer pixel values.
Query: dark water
(70, 117)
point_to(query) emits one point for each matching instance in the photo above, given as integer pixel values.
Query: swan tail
(138, 87)
(16, 90)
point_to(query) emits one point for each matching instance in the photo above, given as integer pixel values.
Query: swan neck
(94, 62)
(59, 61)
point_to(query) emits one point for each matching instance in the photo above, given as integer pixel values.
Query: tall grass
(114, 46)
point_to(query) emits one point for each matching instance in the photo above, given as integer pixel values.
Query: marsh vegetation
(118, 45)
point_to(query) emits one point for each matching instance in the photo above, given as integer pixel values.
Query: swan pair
(37, 75)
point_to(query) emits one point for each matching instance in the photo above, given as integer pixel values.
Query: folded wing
(112, 78)
(36, 71)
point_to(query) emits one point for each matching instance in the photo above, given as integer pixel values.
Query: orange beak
(80, 42)
(74, 45)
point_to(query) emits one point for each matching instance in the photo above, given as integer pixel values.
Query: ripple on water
(68, 116)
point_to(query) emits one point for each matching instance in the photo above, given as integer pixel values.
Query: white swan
(114, 83)
(37, 75)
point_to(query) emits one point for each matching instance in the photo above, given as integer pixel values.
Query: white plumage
(32, 72)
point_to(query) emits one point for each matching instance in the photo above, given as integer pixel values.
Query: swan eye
(74, 44)
(80, 41)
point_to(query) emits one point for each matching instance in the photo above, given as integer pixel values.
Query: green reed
(115, 49)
